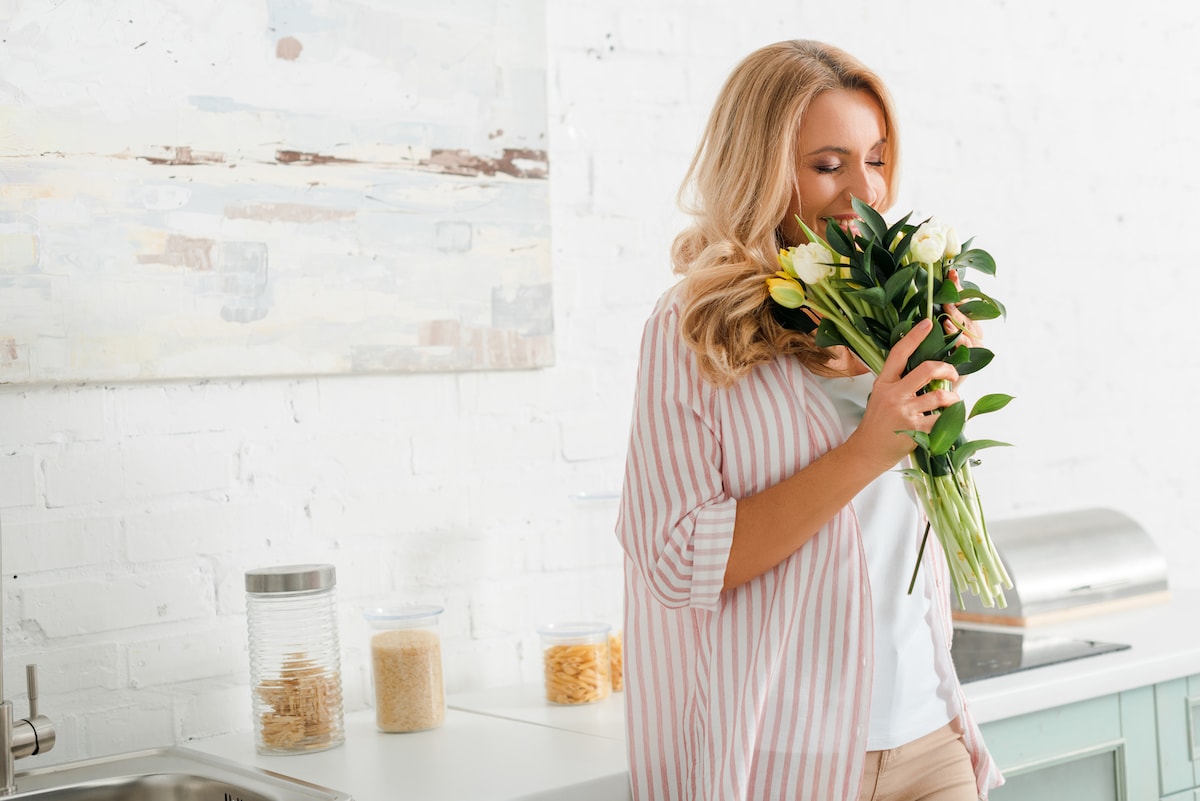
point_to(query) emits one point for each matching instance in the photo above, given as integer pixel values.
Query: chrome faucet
(25, 737)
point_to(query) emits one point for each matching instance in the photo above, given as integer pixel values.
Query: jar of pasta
(406, 668)
(295, 674)
(576, 661)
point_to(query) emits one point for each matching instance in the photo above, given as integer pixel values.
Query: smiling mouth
(848, 224)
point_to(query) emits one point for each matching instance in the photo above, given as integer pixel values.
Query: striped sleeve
(676, 518)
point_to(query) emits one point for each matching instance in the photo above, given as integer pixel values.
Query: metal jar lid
(290, 578)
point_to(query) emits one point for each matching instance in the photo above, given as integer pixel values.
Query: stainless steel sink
(165, 774)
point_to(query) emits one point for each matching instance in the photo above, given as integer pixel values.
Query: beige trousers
(935, 767)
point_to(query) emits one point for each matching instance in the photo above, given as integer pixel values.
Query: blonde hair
(737, 191)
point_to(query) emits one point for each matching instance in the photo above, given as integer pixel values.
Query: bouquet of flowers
(868, 286)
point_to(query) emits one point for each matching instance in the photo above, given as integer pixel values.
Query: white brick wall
(1061, 138)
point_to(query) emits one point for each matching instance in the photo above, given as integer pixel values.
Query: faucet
(25, 737)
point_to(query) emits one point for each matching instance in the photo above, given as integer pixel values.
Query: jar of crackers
(575, 658)
(295, 674)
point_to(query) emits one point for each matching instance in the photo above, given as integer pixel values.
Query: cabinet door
(1177, 705)
(1089, 776)
(1069, 753)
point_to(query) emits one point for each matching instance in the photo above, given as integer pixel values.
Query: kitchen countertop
(509, 744)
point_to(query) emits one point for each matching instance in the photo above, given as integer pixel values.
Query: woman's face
(841, 147)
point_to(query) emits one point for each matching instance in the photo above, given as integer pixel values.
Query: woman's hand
(894, 404)
(970, 332)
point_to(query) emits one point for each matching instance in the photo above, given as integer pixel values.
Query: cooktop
(981, 654)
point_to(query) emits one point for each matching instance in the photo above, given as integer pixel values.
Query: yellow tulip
(786, 292)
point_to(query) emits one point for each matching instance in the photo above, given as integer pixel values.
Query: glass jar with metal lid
(295, 672)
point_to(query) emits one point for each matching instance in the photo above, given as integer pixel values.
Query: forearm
(771, 525)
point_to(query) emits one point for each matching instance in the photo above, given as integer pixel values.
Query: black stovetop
(982, 654)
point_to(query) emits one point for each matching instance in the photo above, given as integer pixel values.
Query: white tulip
(812, 262)
(928, 243)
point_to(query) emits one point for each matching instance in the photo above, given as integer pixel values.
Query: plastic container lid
(290, 578)
(402, 616)
(574, 630)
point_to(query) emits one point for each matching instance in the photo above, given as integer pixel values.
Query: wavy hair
(737, 191)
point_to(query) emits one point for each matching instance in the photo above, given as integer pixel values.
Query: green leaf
(946, 428)
(979, 358)
(947, 292)
(968, 449)
(880, 333)
(873, 295)
(976, 259)
(827, 335)
(979, 310)
(898, 226)
(898, 331)
(810, 233)
(899, 283)
(902, 249)
(882, 263)
(870, 218)
(919, 437)
(794, 319)
(839, 240)
(971, 291)
(960, 355)
(990, 403)
(860, 276)
(930, 348)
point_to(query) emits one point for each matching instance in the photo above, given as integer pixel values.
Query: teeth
(850, 226)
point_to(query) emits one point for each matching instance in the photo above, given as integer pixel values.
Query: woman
(773, 651)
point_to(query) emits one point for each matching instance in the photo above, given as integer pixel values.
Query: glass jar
(576, 663)
(295, 675)
(406, 668)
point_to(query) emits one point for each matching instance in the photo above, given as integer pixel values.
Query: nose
(865, 184)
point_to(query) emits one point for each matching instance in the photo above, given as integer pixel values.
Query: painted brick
(77, 607)
(177, 464)
(80, 475)
(146, 721)
(48, 415)
(39, 542)
(63, 670)
(208, 406)
(205, 528)
(17, 482)
(215, 710)
(202, 652)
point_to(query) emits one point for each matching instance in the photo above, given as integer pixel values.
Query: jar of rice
(406, 668)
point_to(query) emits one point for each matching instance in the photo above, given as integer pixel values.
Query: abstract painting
(272, 187)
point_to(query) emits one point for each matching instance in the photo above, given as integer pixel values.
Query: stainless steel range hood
(1072, 564)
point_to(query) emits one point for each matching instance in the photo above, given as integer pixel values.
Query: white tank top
(904, 691)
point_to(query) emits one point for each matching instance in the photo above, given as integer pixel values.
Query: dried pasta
(578, 673)
(615, 658)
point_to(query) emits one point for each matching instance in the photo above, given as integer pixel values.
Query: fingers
(897, 358)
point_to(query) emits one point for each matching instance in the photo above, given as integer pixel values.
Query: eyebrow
(842, 151)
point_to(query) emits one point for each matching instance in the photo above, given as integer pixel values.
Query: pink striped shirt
(761, 693)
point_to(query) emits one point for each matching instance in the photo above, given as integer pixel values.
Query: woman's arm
(772, 524)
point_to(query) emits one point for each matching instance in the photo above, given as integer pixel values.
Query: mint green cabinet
(1101, 749)
(1177, 708)
(1139, 745)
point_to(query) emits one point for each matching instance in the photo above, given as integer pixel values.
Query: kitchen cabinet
(1177, 712)
(1143, 743)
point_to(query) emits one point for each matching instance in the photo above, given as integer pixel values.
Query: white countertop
(509, 744)
(1164, 644)
(470, 757)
